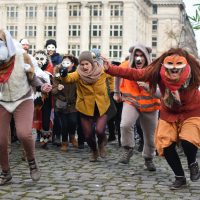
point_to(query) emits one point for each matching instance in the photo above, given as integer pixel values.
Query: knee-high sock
(173, 160)
(190, 151)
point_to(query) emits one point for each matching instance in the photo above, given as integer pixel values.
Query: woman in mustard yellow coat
(92, 101)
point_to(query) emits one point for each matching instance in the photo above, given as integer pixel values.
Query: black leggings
(173, 159)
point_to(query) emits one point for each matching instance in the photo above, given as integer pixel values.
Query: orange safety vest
(137, 96)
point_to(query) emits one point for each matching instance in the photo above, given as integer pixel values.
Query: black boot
(179, 183)
(34, 170)
(194, 171)
(149, 164)
(5, 177)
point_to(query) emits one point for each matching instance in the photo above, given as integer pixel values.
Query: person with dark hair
(56, 59)
(178, 75)
(43, 102)
(50, 47)
(114, 123)
(65, 100)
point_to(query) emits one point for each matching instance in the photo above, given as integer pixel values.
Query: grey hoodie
(146, 51)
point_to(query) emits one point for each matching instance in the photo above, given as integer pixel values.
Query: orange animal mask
(174, 65)
(175, 62)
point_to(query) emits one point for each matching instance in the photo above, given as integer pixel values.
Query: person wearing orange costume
(178, 75)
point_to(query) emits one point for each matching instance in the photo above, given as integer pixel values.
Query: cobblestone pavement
(69, 175)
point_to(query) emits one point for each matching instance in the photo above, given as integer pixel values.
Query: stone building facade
(111, 25)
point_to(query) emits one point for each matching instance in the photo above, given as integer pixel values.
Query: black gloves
(63, 71)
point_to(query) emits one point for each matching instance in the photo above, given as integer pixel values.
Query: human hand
(60, 87)
(117, 97)
(106, 63)
(143, 84)
(46, 88)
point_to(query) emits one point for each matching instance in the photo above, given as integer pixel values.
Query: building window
(74, 30)
(32, 49)
(116, 10)
(154, 9)
(95, 46)
(155, 25)
(154, 41)
(116, 30)
(96, 30)
(96, 10)
(50, 11)
(13, 30)
(74, 10)
(12, 11)
(115, 51)
(50, 31)
(31, 11)
(154, 56)
(30, 31)
(74, 49)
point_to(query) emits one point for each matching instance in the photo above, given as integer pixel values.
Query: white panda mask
(41, 59)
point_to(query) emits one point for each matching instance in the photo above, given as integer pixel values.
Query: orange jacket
(137, 96)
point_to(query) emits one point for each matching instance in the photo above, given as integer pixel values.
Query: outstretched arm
(127, 73)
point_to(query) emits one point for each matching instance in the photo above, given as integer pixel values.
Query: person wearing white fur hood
(16, 80)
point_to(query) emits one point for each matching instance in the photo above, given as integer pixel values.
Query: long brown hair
(154, 68)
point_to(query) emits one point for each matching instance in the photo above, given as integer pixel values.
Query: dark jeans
(46, 113)
(68, 124)
(56, 126)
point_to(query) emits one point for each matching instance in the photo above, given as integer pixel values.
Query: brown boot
(94, 156)
(63, 146)
(74, 142)
(102, 147)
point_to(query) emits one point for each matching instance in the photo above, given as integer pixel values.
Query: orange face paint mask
(175, 62)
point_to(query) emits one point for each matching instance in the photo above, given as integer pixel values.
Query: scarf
(92, 76)
(6, 70)
(172, 86)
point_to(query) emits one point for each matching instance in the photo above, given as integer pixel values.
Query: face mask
(66, 63)
(41, 59)
(3, 52)
(51, 47)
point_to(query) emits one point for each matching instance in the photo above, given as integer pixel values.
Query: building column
(40, 27)
(62, 28)
(129, 27)
(21, 21)
(105, 38)
(85, 26)
(3, 16)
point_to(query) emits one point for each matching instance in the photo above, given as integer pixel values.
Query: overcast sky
(190, 9)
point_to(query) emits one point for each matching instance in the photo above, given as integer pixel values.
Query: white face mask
(41, 59)
(51, 47)
(4, 55)
(66, 63)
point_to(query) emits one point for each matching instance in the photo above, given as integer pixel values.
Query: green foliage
(195, 20)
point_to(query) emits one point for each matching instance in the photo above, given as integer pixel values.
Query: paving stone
(71, 176)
